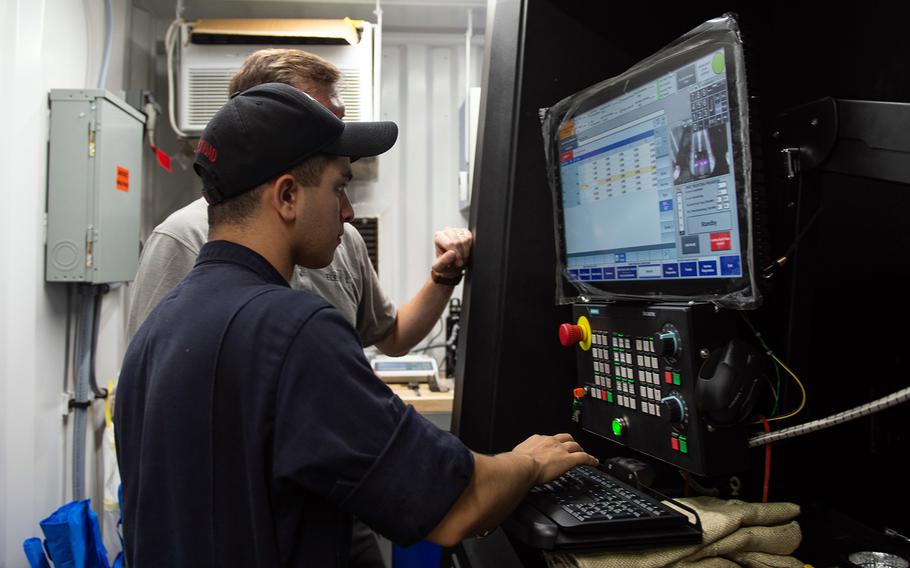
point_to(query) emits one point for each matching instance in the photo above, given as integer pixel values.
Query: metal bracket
(857, 138)
(806, 135)
(65, 398)
(791, 162)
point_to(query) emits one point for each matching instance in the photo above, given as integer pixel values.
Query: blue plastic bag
(34, 552)
(120, 560)
(72, 539)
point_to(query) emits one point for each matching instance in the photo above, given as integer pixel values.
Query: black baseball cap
(268, 129)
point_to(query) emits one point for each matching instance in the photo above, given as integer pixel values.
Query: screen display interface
(648, 188)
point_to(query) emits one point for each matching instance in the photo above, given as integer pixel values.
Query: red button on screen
(720, 241)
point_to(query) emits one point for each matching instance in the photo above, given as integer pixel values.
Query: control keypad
(627, 371)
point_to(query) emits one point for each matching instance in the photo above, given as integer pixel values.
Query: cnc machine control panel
(638, 369)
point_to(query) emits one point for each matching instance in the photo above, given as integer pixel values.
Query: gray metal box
(94, 187)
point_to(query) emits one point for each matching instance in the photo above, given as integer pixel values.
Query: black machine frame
(512, 377)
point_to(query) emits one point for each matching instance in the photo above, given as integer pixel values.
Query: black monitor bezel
(698, 289)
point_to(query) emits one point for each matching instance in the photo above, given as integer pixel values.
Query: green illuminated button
(683, 446)
(619, 426)
(675, 378)
(718, 63)
(609, 396)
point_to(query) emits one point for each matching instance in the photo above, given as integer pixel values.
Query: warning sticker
(123, 179)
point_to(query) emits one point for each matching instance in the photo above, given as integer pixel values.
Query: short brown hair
(281, 65)
(237, 209)
(309, 172)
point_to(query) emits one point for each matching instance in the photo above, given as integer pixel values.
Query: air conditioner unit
(209, 60)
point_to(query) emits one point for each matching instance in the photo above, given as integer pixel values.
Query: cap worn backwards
(268, 129)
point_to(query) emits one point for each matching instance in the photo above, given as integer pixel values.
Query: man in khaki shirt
(349, 282)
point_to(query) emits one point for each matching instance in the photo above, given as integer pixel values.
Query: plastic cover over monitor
(651, 178)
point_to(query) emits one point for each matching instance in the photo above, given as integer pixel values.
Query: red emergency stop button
(579, 392)
(570, 334)
(580, 333)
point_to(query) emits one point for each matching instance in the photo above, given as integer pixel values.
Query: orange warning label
(123, 179)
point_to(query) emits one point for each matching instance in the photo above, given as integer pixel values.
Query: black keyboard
(587, 508)
(585, 499)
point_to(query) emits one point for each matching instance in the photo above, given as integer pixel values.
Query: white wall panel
(44, 44)
(417, 190)
(387, 195)
(444, 151)
(416, 196)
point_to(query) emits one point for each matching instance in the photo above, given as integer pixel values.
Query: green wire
(777, 390)
(776, 364)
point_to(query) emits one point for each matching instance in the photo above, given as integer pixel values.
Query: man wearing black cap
(249, 434)
(349, 283)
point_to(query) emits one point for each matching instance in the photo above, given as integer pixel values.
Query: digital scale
(405, 369)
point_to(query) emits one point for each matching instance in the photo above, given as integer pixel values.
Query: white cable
(170, 42)
(377, 62)
(108, 41)
(867, 409)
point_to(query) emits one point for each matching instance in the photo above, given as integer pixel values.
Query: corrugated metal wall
(423, 89)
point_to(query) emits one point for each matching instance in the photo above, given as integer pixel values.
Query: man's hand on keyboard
(501, 481)
(554, 455)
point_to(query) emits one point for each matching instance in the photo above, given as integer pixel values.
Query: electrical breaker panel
(94, 187)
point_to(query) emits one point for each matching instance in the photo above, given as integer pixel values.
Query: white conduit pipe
(867, 409)
(108, 41)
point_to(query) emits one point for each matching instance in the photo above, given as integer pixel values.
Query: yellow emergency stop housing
(585, 327)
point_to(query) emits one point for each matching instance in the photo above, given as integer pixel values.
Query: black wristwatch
(445, 280)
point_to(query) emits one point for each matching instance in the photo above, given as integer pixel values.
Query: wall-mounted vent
(206, 70)
(350, 89)
(368, 227)
(208, 91)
